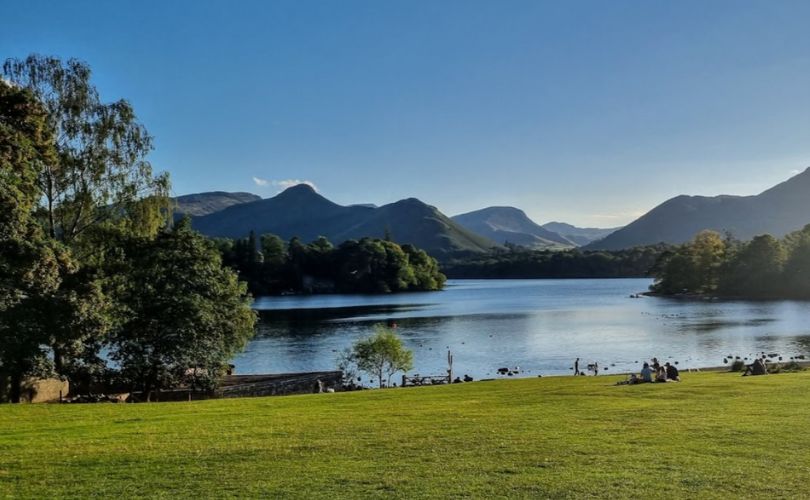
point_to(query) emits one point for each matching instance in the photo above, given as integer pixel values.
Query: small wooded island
(370, 265)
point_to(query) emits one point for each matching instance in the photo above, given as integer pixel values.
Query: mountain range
(776, 211)
(302, 212)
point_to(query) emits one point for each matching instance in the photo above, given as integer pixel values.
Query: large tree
(184, 316)
(100, 172)
(97, 178)
(30, 266)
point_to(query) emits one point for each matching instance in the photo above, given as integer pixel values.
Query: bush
(738, 365)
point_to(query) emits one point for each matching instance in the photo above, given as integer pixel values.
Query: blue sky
(586, 112)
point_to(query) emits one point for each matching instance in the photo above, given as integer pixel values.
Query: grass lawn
(713, 435)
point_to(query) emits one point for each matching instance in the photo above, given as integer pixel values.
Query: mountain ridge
(198, 204)
(778, 210)
(505, 224)
(301, 211)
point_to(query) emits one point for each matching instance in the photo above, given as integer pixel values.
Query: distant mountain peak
(301, 211)
(302, 188)
(776, 211)
(509, 224)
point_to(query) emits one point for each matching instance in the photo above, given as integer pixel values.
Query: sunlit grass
(715, 434)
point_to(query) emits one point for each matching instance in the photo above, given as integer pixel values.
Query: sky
(588, 112)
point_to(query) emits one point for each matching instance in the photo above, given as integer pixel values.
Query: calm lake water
(540, 326)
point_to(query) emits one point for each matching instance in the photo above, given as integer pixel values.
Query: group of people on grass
(654, 372)
(756, 368)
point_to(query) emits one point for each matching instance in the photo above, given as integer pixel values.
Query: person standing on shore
(576, 367)
(595, 368)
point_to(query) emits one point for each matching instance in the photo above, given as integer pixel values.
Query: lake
(539, 326)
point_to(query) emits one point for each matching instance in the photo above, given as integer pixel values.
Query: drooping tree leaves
(100, 172)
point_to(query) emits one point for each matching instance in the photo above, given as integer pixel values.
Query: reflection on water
(540, 326)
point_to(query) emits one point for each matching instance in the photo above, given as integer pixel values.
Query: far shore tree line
(272, 266)
(521, 262)
(720, 266)
(97, 285)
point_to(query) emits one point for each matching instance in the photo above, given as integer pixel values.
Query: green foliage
(381, 355)
(31, 267)
(183, 315)
(738, 365)
(26, 142)
(99, 172)
(365, 266)
(104, 274)
(797, 266)
(30, 274)
(761, 268)
(519, 262)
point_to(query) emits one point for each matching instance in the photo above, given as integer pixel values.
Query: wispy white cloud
(286, 183)
(283, 184)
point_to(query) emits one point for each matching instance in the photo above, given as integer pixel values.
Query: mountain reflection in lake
(540, 326)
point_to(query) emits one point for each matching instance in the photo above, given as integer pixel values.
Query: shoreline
(803, 364)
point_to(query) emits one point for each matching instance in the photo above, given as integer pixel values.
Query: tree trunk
(16, 387)
(58, 360)
(51, 222)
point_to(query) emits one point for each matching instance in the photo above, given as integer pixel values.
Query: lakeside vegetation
(520, 262)
(717, 266)
(271, 266)
(100, 285)
(712, 435)
(92, 269)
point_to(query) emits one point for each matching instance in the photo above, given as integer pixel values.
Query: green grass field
(713, 435)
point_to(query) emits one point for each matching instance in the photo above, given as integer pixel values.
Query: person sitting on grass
(646, 373)
(661, 374)
(672, 372)
(756, 368)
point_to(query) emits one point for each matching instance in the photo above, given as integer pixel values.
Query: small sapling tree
(381, 355)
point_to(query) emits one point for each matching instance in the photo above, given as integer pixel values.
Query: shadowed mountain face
(579, 235)
(207, 203)
(509, 224)
(777, 211)
(300, 211)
